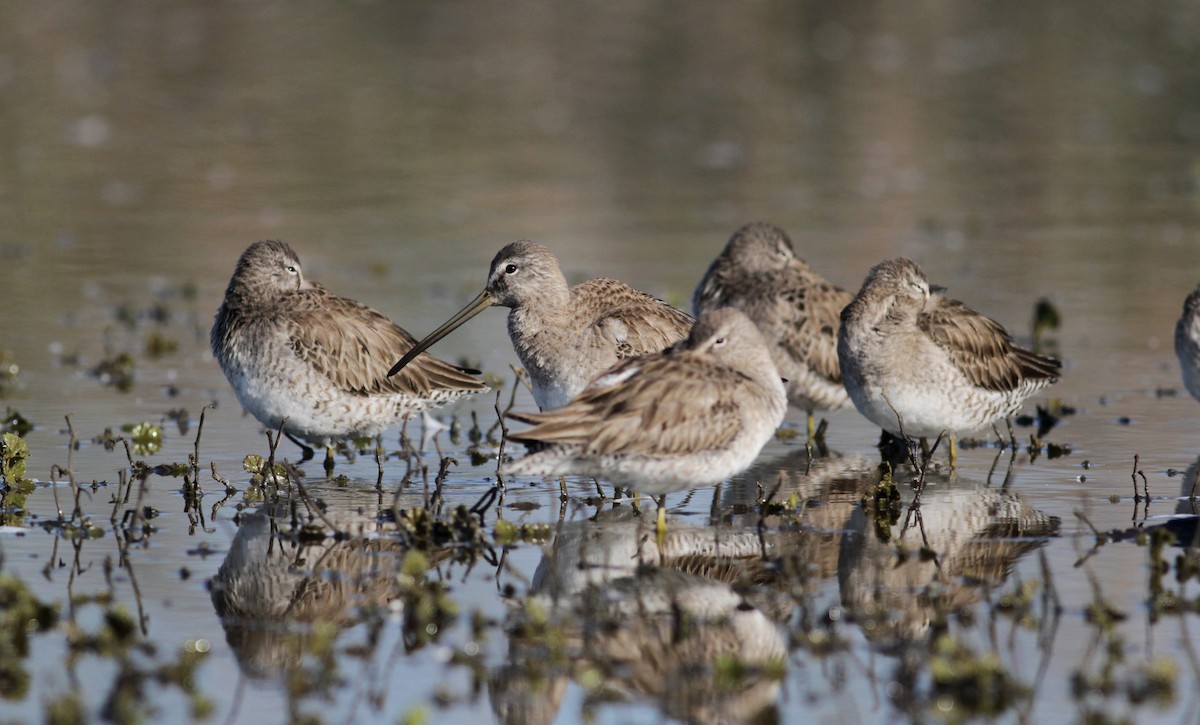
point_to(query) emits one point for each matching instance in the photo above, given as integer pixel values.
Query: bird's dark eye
(291, 269)
(718, 342)
(510, 269)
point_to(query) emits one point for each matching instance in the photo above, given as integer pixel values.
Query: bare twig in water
(443, 469)
(229, 489)
(379, 456)
(519, 375)
(70, 470)
(137, 513)
(518, 378)
(313, 508)
(272, 444)
(1145, 484)
(503, 434)
(122, 482)
(196, 446)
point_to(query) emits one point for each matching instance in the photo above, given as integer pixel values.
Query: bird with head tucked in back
(689, 416)
(796, 310)
(919, 363)
(300, 356)
(565, 336)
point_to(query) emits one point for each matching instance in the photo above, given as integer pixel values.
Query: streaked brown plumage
(690, 416)
(796, 310)
(565, 336)
(291, 349)
(940, 365)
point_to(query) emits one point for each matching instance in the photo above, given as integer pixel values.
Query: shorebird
(796, 310)
(300, 356)
(1187, 343)
(565, 336)
(918, 363)
(689, 416)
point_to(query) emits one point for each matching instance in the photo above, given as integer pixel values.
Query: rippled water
(1015, 151)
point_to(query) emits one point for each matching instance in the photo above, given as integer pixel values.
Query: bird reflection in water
(273, 591)
(630, 620)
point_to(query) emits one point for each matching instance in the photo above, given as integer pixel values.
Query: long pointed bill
(477, 305)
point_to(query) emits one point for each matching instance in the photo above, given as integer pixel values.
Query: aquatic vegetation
(427, 608)
(21, 615)
(15, 487)
(261, 469)
(509, 534)
(159, 345)
(118, 637)
(116, 371)
(14, 422)
(13, 454)
(9, 371)
(1046, 319)
(147, 438)
(976, 683)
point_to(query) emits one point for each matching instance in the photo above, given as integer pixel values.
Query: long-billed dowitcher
(295, 352)
(565, 336)
(689, 416)
(1187, 343)
(796, 310)
(912, 358)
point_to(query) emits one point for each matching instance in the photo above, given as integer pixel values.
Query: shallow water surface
(1017, 152)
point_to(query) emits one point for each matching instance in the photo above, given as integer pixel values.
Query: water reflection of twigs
(229, 491)
(193, 494)
(1047, 632)
(1099, 540)
(124, 562)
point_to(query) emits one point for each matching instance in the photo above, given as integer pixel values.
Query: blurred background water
(1015, 150)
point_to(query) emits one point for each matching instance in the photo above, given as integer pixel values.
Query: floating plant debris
(116, 371)
(9, 371)
(14, 422)
(146, 438)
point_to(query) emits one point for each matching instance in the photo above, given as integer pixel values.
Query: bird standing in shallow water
(565, 336)
(692, 415)
(1187, 343)
(293, 351)
(912, 358)
(796, 310)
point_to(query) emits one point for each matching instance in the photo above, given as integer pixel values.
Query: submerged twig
(503, 434)
(313, 508)
(196, 446)
(1134, 476)
(272, 444)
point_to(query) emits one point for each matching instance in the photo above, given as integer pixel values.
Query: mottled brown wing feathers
(981, 348)
(355, 346)
(635, 322)
(649, 413)
(809, 318)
